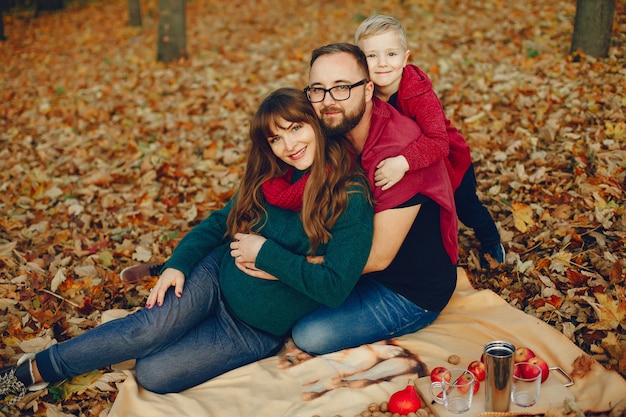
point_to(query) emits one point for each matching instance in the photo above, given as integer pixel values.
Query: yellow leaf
(612, 345)
(522, 216)
(6, 249)
(560, 261)
(142, 254)
(610, 312)
(617, 131)
(53, 410)
(106, 257)
(58, 279)
(79, 384)
(107, 381)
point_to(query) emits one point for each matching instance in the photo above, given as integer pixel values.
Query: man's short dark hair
(335, 48)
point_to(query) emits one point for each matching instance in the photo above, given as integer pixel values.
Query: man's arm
(390, 229)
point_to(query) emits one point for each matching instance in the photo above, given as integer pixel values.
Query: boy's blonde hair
(379, 24)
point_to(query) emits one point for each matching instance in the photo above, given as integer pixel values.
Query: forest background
(107, 157)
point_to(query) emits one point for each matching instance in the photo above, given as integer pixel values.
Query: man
(411, 271)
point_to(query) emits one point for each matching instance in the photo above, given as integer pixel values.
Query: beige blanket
(344, 383)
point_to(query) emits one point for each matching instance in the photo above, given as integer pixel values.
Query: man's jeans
(181, 344)
(372, 312)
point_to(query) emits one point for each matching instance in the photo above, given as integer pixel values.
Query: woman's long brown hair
(333, 170)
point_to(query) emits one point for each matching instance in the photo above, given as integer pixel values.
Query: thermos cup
(498, 357)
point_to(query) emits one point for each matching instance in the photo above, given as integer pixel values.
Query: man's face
(338, 117)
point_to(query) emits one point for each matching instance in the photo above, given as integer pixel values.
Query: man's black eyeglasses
(338, 92)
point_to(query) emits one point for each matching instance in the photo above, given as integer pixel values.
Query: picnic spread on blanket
(345, 383)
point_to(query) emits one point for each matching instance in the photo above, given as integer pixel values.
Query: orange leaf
(522, 216)
(553, 301)
(576, 278)
(582, 366)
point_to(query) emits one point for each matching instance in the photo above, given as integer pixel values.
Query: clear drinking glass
(455, 391)
(526, 384)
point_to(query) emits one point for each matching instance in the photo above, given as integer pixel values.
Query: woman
(301, 196)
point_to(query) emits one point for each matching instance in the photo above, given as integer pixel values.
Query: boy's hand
(390, 171)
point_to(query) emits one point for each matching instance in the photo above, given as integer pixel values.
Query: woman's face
(293, 142)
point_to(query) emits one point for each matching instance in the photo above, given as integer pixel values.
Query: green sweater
(274, 306)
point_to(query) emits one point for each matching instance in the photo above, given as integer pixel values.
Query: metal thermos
(498, 357)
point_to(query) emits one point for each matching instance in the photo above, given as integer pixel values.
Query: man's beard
(348, 122)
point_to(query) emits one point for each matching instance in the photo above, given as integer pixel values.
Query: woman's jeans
(183, 343)
(372, 312)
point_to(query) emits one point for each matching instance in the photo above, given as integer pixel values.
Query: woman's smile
(298, 154)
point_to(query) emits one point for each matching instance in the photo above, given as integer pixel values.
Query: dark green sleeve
(200, 241)
(344, 258)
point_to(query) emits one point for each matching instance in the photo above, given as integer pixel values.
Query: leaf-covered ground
(107, 157)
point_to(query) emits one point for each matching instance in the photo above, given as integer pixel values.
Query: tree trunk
(2, 37)
(172, 41)
(134, 13)
(49, 5)
(592, 27)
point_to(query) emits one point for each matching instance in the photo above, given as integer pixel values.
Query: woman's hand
(246, 247)
(390, 171)
(315, 259)
(169, 278)
(249, 269)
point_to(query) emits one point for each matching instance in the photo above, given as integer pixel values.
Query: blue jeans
(372, 312)
(183, 343)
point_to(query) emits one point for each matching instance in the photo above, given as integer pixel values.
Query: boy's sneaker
(492, 255)
(17, 380)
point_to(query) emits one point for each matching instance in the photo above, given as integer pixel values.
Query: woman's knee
(155, 377)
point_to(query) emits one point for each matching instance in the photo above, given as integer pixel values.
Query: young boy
(407, 88)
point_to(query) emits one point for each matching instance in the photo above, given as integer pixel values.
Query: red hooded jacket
(417, 100)
(389, 133)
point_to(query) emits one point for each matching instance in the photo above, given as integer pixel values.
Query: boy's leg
(475, 215)
(372, 312)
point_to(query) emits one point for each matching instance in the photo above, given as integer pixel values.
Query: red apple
(545, 369)
(523, 354)
(437, 373)
(478, 369)
(527, 371)
(466, 378)
(517, 371)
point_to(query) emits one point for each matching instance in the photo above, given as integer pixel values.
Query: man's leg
(371, 313)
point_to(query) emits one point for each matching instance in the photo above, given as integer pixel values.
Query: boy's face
(386, 59)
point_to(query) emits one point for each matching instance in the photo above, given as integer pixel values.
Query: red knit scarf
(280, 192)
